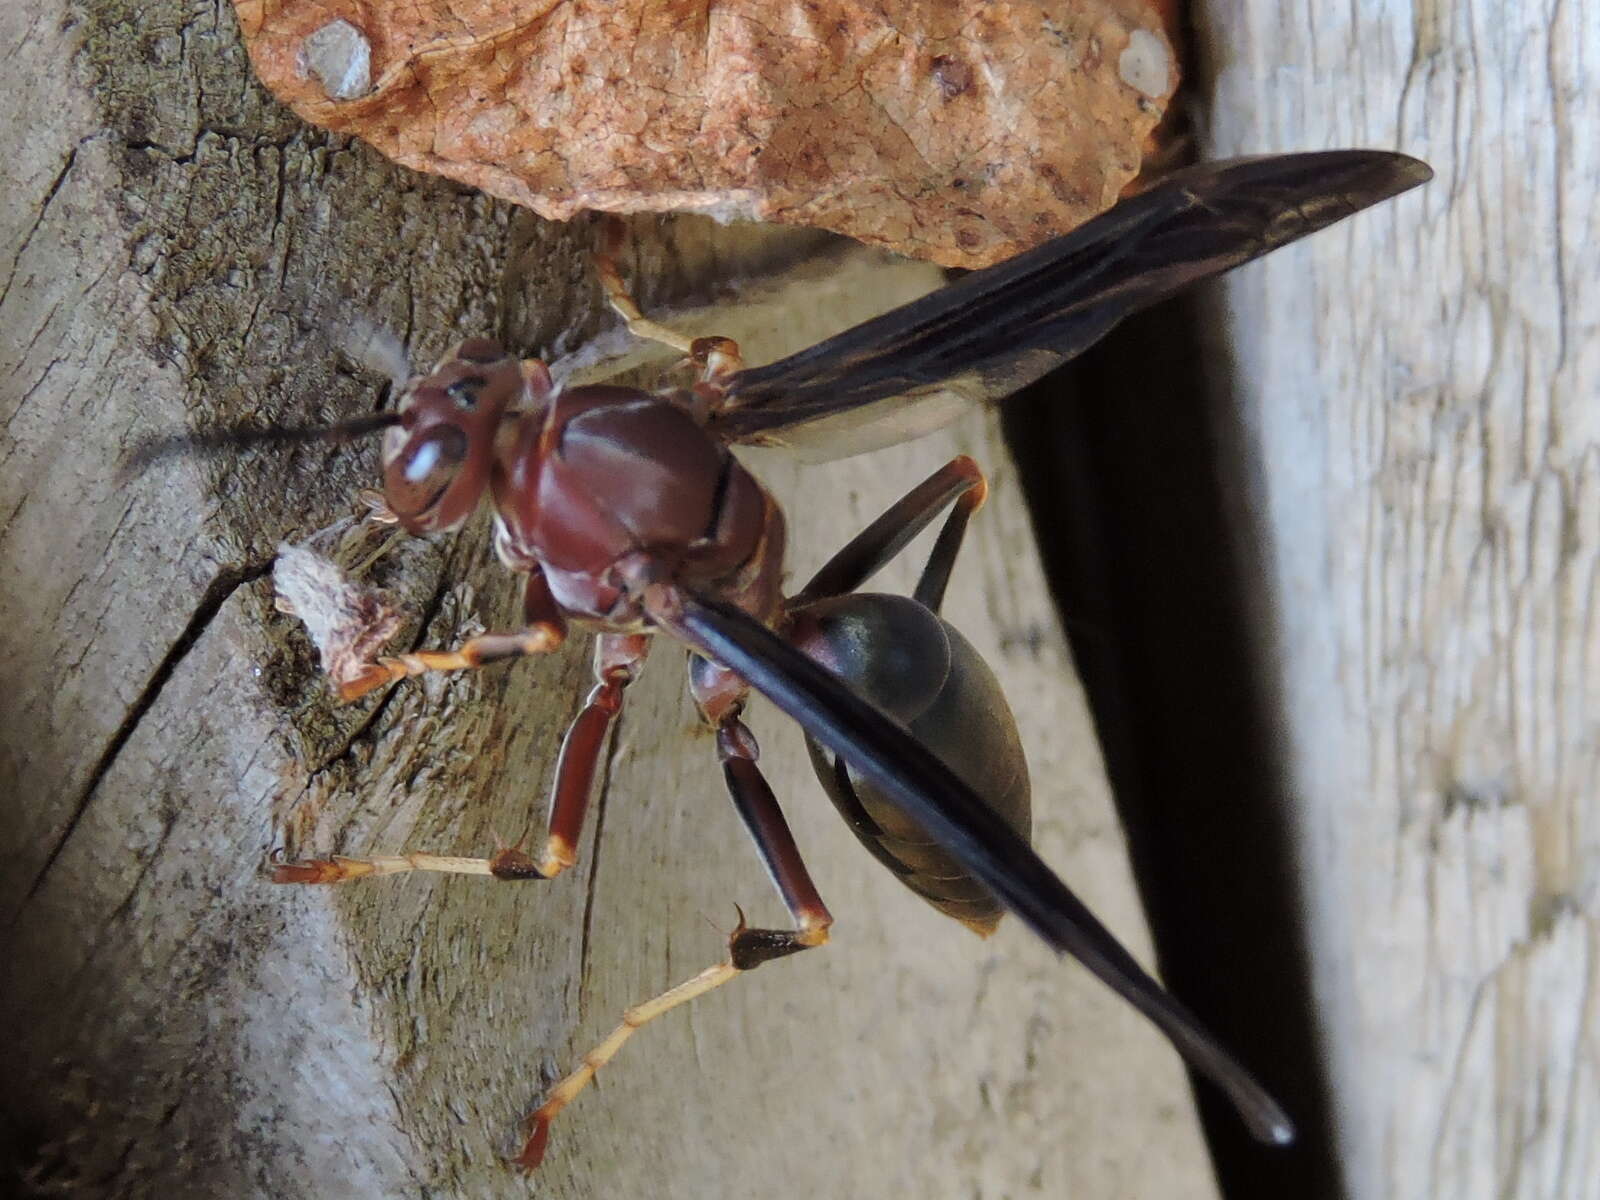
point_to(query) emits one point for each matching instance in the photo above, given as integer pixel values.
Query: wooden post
(1419, 390)
(178, 249)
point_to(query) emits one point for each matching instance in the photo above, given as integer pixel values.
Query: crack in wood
(41, 213)
(218, 592)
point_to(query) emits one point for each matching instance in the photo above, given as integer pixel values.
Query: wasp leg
(959, 480)
(717, 357)
(618, 658)
(545, 630)
(471, 654)
(340, 869)
(747, 948)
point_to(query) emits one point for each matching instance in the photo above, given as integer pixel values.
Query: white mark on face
(423, 461)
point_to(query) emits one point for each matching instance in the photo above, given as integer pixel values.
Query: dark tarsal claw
(532, 1153)
(749, 948)
(514, 863)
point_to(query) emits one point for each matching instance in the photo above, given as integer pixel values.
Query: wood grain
(1419, 389)
(178, 250)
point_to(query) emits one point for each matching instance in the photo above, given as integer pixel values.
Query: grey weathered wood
(175, 247)
(1420, 390)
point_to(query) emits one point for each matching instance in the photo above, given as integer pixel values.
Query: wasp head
(437, 461)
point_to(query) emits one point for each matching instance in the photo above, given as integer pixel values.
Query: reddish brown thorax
(587, 484)
(611, 475)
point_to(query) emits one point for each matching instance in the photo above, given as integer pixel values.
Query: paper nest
(960, 131)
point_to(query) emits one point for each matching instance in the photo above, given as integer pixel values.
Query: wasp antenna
(215, 441)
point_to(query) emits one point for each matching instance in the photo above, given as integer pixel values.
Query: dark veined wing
(998, 329)
(883, 752)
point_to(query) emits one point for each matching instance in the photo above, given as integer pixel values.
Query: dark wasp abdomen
(918, 668)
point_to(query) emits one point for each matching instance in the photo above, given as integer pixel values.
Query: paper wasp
(628, 516)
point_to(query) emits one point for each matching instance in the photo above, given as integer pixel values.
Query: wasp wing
(882, 751)
(996, 330)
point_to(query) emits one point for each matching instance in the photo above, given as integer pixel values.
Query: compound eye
(417, 477)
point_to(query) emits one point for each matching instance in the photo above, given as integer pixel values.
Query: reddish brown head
(439, 443)
(437, 461)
